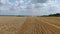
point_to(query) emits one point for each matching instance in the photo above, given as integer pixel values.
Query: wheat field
(29, 25)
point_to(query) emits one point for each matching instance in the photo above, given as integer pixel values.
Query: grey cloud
(39, 1)
(1, 4)
(40, 7)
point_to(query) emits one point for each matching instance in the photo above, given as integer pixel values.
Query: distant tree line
(57, 14)
(52, 15)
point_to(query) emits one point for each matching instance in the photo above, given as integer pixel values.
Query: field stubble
(29, 25)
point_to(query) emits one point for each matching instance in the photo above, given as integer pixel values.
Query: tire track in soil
(33, 25)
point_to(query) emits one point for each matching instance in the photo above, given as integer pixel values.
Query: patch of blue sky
(58, 1)
(26, 1)
(12, 1)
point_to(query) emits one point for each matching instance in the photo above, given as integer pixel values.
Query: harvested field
(29, 25)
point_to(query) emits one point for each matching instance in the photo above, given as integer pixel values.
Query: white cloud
(4, 1)
(19, 7)
(3, 9)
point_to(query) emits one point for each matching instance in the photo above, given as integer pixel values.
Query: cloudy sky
(29, 7)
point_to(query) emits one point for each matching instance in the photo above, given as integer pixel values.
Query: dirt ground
(29, 25)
